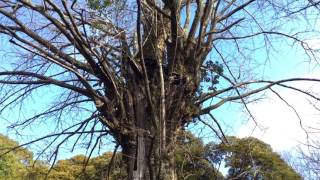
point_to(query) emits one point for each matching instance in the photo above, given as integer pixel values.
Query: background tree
(246, 158)
(14, 164)
(137, 70)
(19, 164)
(250, 158)
(191, 157)
(79, 167)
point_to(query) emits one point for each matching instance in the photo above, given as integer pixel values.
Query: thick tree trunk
(159, 103)
(142, 153)
(141, 165)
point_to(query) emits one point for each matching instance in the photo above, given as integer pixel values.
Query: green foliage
(19, 164)
(75, 169)
(250, 158)
(246, 159)
(96, 168)
(210, 76)
(191, 159)
(98, 4)
(191, 164)
(38, 170)
(14, 164)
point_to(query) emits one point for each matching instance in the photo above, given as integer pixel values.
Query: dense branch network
(139, 68)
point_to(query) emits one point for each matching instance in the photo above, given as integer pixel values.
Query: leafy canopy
(250, 158)
(98, 4)
(15, 163)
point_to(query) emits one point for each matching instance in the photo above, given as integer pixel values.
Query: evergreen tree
(249, 158)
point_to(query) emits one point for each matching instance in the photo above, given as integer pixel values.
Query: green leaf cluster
(78, 168)
(14, 164)
(250, 158)
(98, 4)
(191, 159)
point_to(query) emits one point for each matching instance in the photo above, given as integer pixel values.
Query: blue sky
(287, 60)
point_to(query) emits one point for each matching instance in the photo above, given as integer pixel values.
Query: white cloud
(314, 44)
(279, 125)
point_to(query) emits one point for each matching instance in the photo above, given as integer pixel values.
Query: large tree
(139, 70)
